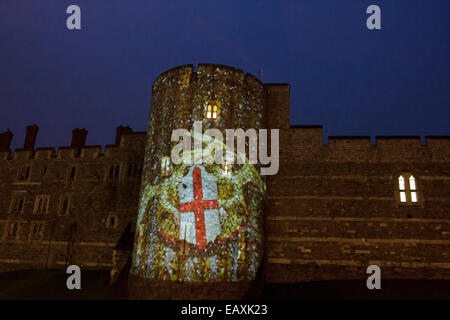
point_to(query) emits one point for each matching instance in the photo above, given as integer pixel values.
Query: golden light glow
(401, 183)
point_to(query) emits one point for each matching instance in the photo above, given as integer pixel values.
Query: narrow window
(407, 189)
(72, 174)
(13, 230)
(41, 204)
(116, 172)
(111, 222)
(20, 205)
(64, 206)
(44, 170)
(209, 112)
(37, 229)
(401, 185)
(412, 188)
(214, 115)
(111, 172)
(130, 167)
(135, 171)
(17, 204)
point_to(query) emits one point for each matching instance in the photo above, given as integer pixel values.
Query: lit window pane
(402, 197)
(214, 115)
(412, 183)
(208, 115)
(413, 196)
(401, 183)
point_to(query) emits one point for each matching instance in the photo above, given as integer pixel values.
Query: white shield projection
(199, 208)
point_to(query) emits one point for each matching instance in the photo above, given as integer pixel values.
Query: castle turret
(199, 233)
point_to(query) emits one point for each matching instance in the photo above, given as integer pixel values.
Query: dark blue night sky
(353, 81)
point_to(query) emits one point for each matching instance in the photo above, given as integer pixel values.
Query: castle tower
(199, 232)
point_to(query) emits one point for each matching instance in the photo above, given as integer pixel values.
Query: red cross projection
(198, 206)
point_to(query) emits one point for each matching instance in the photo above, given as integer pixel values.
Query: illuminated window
(37, 230)
(401, 186)
(166, 166)
(13, 230)
(41, 204)
(212, 111)
(407, 189)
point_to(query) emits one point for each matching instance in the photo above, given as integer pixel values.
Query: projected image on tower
(200, 221)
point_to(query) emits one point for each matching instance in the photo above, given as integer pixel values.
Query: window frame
(407, 190)
(41, 230)
(9, 224)
(14, 199)
(61, 205)
(114, 171)
(108, 221)
(212, 107)
(37, 204)
(69, 177)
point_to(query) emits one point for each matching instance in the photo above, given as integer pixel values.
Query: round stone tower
(199, 232)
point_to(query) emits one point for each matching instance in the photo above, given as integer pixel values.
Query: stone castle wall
(83, 235)
(332, 210)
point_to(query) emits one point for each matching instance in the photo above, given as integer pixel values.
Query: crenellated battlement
(127, 140)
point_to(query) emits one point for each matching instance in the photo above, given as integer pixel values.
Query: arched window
(114, 172)
(209, 112)
(64, 206)
(212, 110)
(407, 189)
(401, 186)
(412, 188)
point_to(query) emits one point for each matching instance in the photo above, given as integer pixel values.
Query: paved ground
(51, 284)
